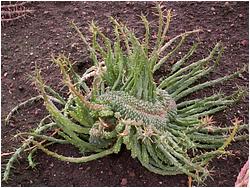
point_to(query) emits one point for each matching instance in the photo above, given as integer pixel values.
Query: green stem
(74, 159)
(26, 143)
(164, 59)
(178, 64)
(207, 84)
(192, 65)
(49, 138)
(190, 103)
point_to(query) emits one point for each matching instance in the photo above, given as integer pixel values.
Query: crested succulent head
(125, 105)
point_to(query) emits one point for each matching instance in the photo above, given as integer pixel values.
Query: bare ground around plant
(46, 32)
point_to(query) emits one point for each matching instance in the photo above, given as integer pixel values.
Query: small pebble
(108, 29)
(74, 45)
(45, 12)
(240, 15)
(76, 9)
(160, 182)
(227, 4)
(20, 88)
(212, 9)
(244, 42)
(124, 181)
(37, 111)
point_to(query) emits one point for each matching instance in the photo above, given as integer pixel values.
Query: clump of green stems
(165, 131)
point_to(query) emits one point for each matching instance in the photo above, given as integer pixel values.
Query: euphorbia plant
(168, 133)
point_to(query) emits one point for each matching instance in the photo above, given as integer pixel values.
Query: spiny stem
(49, 138)
(175, 38)
(31, 100)
(74, 159)
(178, 64)
(22, 148)
(206, 84)
(164, 59)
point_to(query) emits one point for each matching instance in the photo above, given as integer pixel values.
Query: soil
(46, 32)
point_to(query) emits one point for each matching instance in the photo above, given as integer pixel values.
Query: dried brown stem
(20, 12)
(12, 5)
(14, 11)
(11, 19)
(30, 148)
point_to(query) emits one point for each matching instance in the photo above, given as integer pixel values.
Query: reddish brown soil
(33, 40)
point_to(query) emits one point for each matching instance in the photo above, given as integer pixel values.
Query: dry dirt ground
(46, 32)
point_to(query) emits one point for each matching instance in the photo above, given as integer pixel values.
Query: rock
(124, 181)
(243, 177)
(45, 12)
(212, 9)
(240, 15)
(227, 4)
(74, 46)
(244, 42)
(20, 88)
(37, 111)
(75, 9)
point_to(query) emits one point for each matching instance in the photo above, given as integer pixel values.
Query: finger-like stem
(26, 143)
(74, 159)
(179, 63)
(207, 84)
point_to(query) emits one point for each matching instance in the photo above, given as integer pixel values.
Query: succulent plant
(168, 133)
